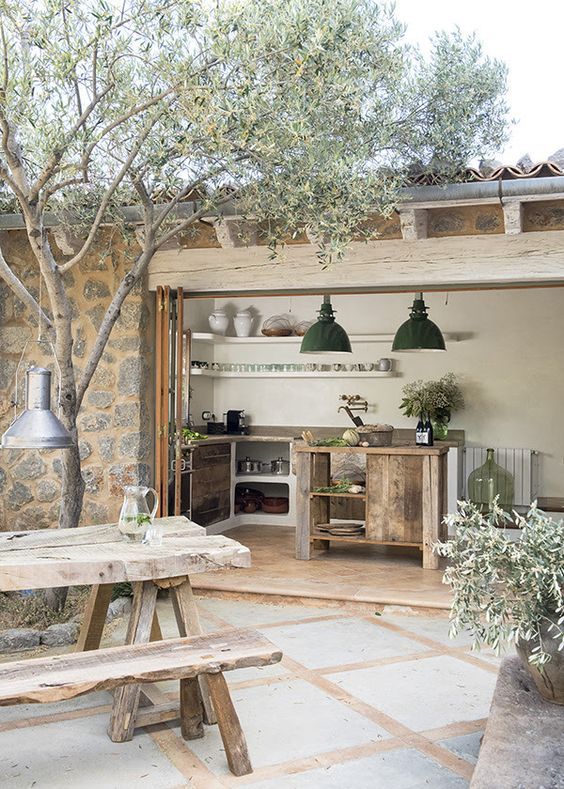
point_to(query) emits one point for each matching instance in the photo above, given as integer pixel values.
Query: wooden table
(98, 556)
(404, 503)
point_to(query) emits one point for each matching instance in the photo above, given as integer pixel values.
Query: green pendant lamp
(326, 336)
(418, 333)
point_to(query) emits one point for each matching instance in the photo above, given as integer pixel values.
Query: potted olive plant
(510, 591)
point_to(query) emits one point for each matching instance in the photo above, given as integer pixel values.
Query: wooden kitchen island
(404, 503)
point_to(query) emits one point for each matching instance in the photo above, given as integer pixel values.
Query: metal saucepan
(280, 466)
(248, 466)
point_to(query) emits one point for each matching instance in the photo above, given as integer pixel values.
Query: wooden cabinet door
(211, 484)
(394, 498)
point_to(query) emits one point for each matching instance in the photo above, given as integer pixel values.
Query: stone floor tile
(430, 627)
(241, 613)
(78, 753)
(398, 769)
(29, 711)
(426, 693)
(287, 721)
(339, 641)
(466, 745)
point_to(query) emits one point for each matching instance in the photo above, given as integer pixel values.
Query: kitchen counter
(403, 503)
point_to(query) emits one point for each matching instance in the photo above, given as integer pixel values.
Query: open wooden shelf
(323, 535)
(360, 496)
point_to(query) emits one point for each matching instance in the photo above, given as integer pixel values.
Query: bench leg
(188, 622)
(126, 698)
(191, 718)
(229, 726)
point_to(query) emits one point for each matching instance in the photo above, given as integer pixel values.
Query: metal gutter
(469, 192)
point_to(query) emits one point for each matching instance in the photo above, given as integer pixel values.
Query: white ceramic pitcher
(135, 517)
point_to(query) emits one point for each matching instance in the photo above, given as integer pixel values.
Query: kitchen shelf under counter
(404, 503)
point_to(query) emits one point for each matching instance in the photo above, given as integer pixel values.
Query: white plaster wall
(511, 368)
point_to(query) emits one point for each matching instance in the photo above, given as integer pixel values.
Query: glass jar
(489, 481)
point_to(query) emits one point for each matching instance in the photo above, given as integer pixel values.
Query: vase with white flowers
(435, 399)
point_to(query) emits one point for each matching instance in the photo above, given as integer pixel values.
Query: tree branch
(17, 287)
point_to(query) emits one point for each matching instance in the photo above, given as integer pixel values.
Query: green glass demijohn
(489, 481)
(418, 333)
(325, 335)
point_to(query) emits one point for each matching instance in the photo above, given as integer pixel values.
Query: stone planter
(549, 679)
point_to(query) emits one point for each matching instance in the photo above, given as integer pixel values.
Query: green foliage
(504, 590)
(310, 112)
(436, 398)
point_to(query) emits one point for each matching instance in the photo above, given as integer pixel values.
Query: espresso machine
(235, 423)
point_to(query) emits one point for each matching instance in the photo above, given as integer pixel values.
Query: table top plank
(53, 563)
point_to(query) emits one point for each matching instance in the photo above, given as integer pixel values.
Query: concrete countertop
(283, 434)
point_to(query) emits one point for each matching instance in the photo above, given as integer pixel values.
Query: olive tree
(307, 113)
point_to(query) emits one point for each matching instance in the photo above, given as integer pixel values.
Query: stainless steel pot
(248, 466)
(280, 466)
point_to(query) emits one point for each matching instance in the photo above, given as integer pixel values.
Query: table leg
(229, 727)
(431, 510)
(188, 622)
(126, 698)
(94, 618)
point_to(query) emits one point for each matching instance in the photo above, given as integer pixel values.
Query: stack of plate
(344, 529)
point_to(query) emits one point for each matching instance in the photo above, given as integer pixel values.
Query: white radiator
(522, 464)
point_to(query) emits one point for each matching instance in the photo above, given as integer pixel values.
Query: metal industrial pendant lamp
(326, 336)
(418, 333)
(37, 427)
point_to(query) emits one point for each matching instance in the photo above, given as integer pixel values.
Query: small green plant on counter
(141, 519)
(191, 435)
(438, 399)
(506, 591)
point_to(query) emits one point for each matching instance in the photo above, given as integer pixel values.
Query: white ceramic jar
(243, 322)
(218, 321)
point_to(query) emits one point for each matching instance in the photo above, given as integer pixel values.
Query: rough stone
(18, 495)
(106, 447)
(3, 479)
(126, 343)
(450, 222)
(132, 375)
(127, 414)
(13, 338)
(6, 303)
(47, 490)
(31, 467)
(522, 746)
(36, 518)
(57, 467)
(134, 445)
(94, 512)
(94, 262)
(127, 474)
(94, 290)
(133, 315)
(79, 346)
(93, 423)
(84, 449)
(7, 373)
(108, 358)
(19, 638)
(61, 634)
(100, 399)
(118, 607)
(93, 476)
(487, 223)
(103, 378)
(11, 455)
(96, 315)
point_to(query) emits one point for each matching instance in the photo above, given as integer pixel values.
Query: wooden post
(126, 698)
(191, 719)
(303, 504)
(229, 726)
(188, 622)
(432, 499)
(178, 401)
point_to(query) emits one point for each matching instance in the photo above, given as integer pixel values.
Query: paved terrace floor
(351, 573)
(386, 702)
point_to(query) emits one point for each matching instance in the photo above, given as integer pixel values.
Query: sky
(526, 38)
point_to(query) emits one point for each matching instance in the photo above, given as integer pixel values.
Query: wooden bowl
(275, 504)
(276, 332)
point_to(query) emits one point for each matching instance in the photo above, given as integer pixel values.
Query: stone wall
(115, 421)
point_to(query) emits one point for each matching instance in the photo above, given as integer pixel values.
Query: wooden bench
(66, 676)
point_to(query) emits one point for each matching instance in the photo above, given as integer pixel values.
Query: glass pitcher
(135, 517)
